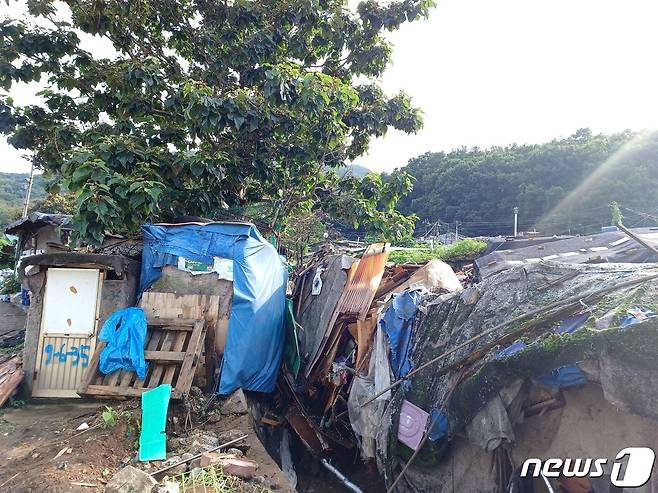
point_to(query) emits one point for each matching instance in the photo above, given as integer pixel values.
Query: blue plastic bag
(125, 333)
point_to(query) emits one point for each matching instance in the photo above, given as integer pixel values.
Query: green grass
(462, 249)
(213, 480)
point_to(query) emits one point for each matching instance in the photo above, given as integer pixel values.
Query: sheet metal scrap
(361, 288)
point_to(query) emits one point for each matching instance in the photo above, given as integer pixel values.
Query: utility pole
(456, 230)
(30, 180)
(516, 221)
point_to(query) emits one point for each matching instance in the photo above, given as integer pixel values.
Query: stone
(130, 480)
(175, 443)
(235, 404)
(242, 468)
(235, 451)
(171, 460)
(168, 487)
(187, 456)
(208, 458)
(227, 436)
(175, 459)
(202, 442)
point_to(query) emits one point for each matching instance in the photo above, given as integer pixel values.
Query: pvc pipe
(343, 479)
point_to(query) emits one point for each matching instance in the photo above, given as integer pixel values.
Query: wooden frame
(173, 348)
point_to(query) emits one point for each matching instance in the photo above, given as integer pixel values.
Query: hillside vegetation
(13, 187)
(563, 186)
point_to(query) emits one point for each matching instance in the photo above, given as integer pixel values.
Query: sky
(496, 72)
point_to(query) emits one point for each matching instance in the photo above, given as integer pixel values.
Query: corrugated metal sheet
(362, 286)
(61, 365)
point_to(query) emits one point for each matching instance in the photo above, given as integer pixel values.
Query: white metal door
(68, 330)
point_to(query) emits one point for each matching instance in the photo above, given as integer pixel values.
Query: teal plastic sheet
(153, 439)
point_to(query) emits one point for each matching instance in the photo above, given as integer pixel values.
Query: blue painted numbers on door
(74, 356)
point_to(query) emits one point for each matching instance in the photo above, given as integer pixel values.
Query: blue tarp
(256, 334)
(439, 425)
(636, 315)
(124, 331)
(397, 323)
(565, 376)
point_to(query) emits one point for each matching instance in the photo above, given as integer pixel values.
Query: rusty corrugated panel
(361, 288)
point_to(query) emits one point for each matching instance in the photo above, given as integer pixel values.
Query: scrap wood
(11, 375)
(560, 306)
(173, 349)
(223, 445)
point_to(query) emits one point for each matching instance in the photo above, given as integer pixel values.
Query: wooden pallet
(173, 348)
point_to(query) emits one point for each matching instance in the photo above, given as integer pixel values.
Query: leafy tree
(205, 105)
(55, 203)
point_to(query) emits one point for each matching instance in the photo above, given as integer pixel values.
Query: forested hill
(12, 194)
(564, 186)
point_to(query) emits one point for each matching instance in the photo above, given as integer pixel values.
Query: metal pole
(343, 479)
(516, 221)
(29, 190)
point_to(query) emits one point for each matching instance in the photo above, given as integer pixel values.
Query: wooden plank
(172, 323)
(167, 355)
(186, 374)
(151, 346)
(165, 345)
(365, 333)
(179, 343)
(101, 390)
(164, 356)
(91, 373)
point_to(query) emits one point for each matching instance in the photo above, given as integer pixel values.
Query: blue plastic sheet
(511, 349)
(439, 422)
(564, 377)
(572, 324)
(636, 315)
(397, 322)
(256, 332)
(124, 331)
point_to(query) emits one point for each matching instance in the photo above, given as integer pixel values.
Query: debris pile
(339, 302)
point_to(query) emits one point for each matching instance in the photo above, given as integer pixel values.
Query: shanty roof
(613, 246)
(37, 220)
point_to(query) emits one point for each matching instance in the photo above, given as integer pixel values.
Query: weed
(110, 417)
(12, 349)
(459, 250)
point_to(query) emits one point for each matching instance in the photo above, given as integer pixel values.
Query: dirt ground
(12, 321)
(41, 451)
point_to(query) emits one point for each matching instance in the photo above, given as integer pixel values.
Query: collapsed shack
(338, 302)
(577, 379)
(456, 388)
